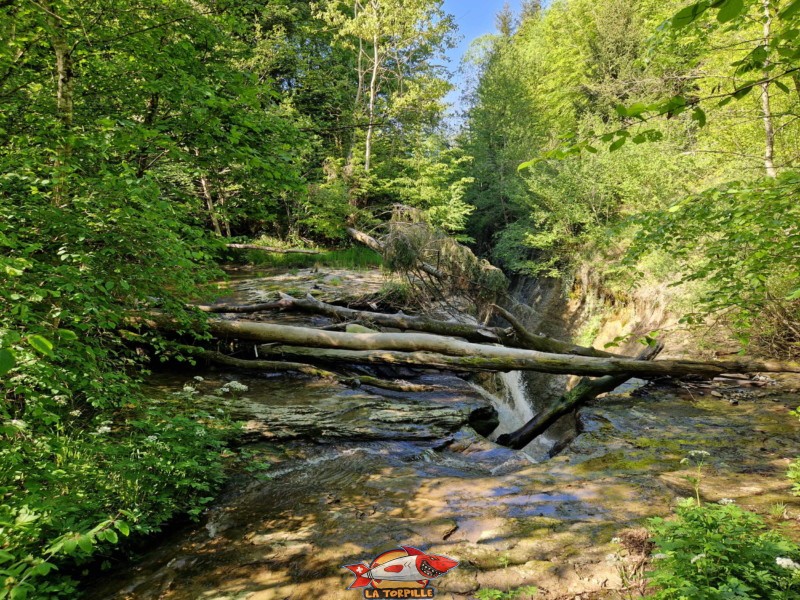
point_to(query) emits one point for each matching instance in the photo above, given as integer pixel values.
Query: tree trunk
(204, 186)
(530, 341)
(494, 359)
(65, 98)
(586, 390)
(766, 109)
(378, 247)
(473, 333)
(373, 92)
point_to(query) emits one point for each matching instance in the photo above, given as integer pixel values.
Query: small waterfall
(514, 408)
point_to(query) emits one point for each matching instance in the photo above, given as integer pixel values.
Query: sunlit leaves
(730, 10)
(41, 345)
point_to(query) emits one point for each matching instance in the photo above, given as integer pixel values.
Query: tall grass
(355, 258)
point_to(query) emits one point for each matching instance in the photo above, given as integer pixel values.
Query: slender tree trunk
(205, 188)
(204, 185)
(359, 97)
(766, 109)
(373, 92)
(149, 119)
(65, 98)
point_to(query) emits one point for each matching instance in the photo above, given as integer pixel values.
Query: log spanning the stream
(587, 390)
(520, 338)
(421, 349)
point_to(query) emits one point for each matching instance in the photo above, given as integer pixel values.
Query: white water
(514, 409)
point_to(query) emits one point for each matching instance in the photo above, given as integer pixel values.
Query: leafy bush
(67, 492)
(721, 551)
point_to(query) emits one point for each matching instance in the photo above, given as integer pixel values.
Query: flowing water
(356, 472)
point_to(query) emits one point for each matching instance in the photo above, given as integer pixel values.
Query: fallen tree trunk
(307, 369)
(273, 250)
(586, 390)
(451, 351)
(374, 244)
(526, 339)
(473, 333)
(521, 338)
(528, 360)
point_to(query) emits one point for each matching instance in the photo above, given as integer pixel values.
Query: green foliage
(718, 551)
(528, 591)
(743, 240)
(69, 490)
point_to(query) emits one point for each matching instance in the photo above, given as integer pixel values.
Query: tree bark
(270, 249)
(306, 369)
(373, 92)
(65, 98)
(496, 361)
(766, 109)
(473, 333)
(586, 390)
(528, 340)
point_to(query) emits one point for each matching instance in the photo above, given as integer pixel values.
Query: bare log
(542, 343)
(273, 250)
(473, 333)
(266, 365)
(586, 390)
(527, 360)
(240, 308)
(307, 369)
(485, 357)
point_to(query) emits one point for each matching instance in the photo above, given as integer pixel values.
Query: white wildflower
(221, 411)
(200, 432)
(103, 429)
(616, 540)
(198, 379)
(695, 453)
(726, 501)
(223, 390)
(660, 556)
(190, 389)
(787, 563)
(698, 557)
(235, 386)
(60, 400)
(75, 413)
(19, 424)
(151, 438)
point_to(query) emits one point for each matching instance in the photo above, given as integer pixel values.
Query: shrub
(721, 551)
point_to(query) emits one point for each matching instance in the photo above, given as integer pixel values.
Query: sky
(474, 18)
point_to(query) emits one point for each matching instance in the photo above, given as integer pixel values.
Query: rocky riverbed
(355, 472)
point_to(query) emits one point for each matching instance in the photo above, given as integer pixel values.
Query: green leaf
(41, 345)
(782, 86)
(111, 536)
(85, 543)
(730, 10)
(742, 92)
(66, 334)
(791, 10)
(617, 145)
(123, 528)
(699, 115)
(7, 361)
(794, 295)
(689, 15)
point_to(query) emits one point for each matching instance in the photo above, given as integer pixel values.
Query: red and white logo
(404, 568)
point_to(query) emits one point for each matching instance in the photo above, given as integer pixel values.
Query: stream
(357, 472)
